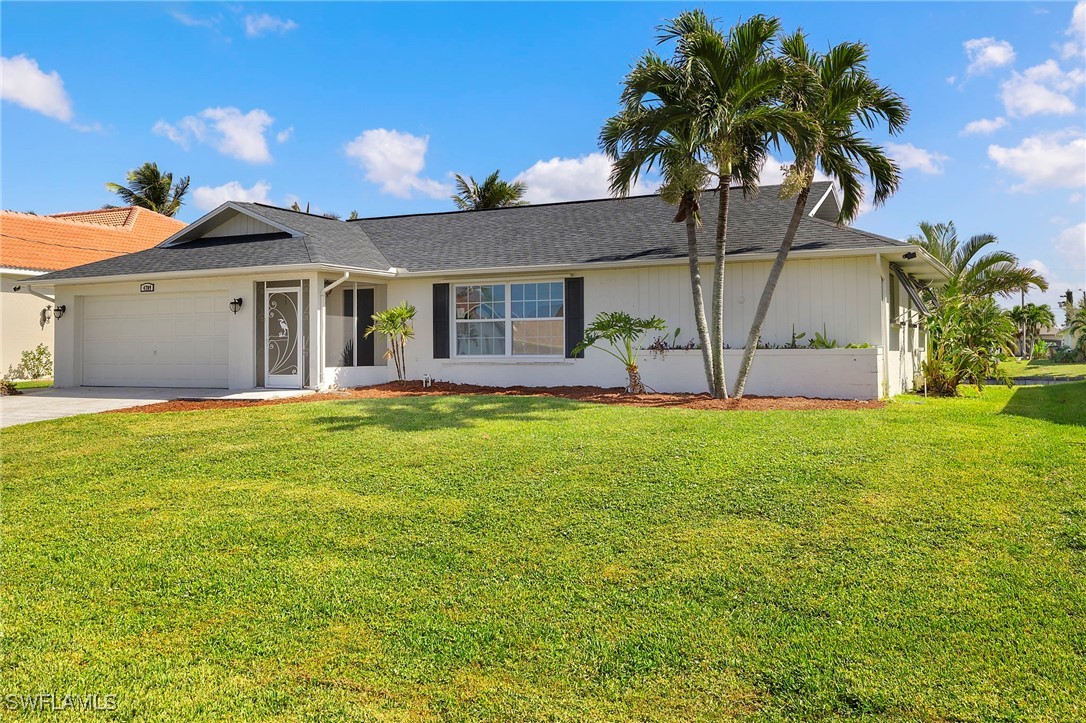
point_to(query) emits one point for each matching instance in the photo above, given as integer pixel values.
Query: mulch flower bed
(595, 395)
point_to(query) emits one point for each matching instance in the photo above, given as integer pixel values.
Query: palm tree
(836, 92)
(1076, 323)
(736, 82)
(149, 188)
(491, 193)
(1031, 318)
(395, 325)
(995, 272)
(656, 127)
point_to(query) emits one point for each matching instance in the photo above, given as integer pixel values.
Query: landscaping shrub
(36, 363)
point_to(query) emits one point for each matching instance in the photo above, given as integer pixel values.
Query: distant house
(1052, 336)
(259, 296)
(33, 245)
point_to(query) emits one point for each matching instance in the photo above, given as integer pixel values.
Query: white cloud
(1071, 244)
(909, 156)
(25, 84)
(773, 170)
(1075, 48)
(1057, 286)
(951, 79)
(1053, 160)
(284, 135)
(984, 126)
(231, 132)
(195, 22)
(264, 24)
(987, 54)
(209, 197)
(574, 179)
(394, 161)
(1044, 88)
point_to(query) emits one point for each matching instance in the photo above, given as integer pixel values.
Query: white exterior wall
(825, 373)
(68, 364)
(837, 295)
(25, 321)
(843, 294)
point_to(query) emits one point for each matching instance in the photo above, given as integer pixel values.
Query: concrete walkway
(36, 405)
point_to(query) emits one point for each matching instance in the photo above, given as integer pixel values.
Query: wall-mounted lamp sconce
(909, 255)
(58, 311)
(235, 305)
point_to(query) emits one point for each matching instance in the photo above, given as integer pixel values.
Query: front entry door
(282, 338)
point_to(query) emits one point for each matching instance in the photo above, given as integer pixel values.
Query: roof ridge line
(124, 227)
(291, 210)
(541, 205)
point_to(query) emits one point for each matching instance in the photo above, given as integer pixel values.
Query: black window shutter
(441, 321)
(366, 344)
(348, 311)
(574, 316)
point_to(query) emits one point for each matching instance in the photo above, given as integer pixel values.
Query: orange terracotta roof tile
(50, 243)
(105, 216)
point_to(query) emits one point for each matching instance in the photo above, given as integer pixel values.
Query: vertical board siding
(842, 294)
(240, 225)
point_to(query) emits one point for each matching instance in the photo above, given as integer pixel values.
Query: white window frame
(508, 321)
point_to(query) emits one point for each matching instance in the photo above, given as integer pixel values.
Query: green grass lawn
(466, 558)
(34, 384)
(1043, 368)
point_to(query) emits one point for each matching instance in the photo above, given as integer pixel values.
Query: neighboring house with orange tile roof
(33, 245)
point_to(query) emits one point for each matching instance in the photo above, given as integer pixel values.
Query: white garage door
(155, 340)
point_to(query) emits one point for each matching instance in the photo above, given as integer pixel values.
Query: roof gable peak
(223, 221)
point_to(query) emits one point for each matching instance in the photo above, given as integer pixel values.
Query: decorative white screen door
(282, 338)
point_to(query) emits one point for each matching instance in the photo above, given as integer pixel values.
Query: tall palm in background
(1031, 318)
(493, 192)
(836, 92)
(735, 81)
(657, 128)
(149, 188)
(973, 273)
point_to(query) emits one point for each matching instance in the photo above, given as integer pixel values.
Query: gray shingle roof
(586, 232)
(561, 234)
(330, 241)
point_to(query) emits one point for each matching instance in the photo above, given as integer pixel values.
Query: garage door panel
(165, 340)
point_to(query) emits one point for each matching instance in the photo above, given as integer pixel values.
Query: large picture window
(522, 319)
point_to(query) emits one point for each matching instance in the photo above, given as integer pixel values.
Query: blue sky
(371, 107)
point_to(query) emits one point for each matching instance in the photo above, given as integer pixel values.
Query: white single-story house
(255, 296)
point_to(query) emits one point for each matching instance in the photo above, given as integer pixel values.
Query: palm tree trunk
(767, 293)
(636, 386)
(720, 384)
(707, 354)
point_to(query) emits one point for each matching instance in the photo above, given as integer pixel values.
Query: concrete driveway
(36, 405)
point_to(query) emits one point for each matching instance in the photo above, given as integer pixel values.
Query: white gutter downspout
(337, 282)
(324, 325)
(38, 294)
(884, 306)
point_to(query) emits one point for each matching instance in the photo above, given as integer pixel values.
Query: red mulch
(583, 394)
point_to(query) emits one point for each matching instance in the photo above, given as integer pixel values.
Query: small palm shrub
(624, 334)
(968, 336)
(395, 325)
